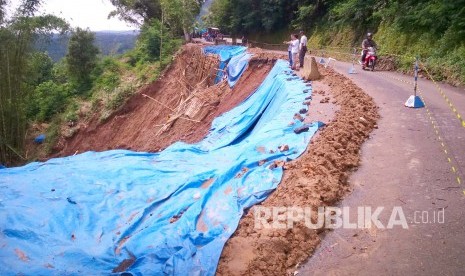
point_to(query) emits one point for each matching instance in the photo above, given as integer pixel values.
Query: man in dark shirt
(367, 42)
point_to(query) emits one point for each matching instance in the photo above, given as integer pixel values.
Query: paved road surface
(405, 163)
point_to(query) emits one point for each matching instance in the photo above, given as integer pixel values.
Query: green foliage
(220, 15)
(152, 39)
(28, 8)
(59, 72)
(304, 15)
(358, 13)
(245, 17)
(2, 10)
(17, 36)
(133, 10)
(119, 97)
(53, 134)
(108, 72)
(47, 100)
(40, 69)
(81, 59)
(180, 15)
(71, 112)
(33, 88)
(434, 30)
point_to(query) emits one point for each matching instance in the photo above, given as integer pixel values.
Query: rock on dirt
(301, 129)
(283, 148)
(325, 100)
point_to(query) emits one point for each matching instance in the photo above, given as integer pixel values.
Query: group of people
(297, 49)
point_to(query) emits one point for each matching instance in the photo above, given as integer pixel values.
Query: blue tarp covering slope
(235, 57)
(167, 213)
(236, 66)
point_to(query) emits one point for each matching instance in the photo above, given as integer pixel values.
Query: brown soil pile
(180, 106)
(317, 178)
(386, 63)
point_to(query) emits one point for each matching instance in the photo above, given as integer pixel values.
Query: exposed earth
(318, 178)
(182, 104)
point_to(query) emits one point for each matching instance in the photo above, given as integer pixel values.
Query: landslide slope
(180, 106)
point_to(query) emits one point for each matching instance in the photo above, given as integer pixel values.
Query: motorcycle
(370, 59)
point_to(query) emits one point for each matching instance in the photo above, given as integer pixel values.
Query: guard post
(415, 101)
(354, 57)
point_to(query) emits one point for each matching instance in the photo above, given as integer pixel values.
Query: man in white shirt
(303, 48)
(293, 50)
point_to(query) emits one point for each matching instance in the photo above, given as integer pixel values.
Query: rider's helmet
(369, 35)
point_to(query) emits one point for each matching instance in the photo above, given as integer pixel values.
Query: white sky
(83, 13)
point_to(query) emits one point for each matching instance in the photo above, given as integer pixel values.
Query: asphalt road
(414, 161)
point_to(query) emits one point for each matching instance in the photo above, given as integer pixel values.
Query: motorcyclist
(367, 42)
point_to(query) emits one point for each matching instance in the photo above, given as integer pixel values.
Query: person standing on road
(294, 46)
(244, 41)
(302, 48)
(289, 50)
(293, 50)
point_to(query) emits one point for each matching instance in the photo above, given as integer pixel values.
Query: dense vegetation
(434, 30)
(39, 94)
(16, 77)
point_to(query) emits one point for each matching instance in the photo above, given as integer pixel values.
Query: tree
(48, 99)
(180, 14)
(136, 11)
(244, 16)
(149, 42)
(39, 68)
(220, 15)
(81, 58)
(17, 36)
(2, 10)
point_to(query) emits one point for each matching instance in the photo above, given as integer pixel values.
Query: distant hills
(109, 43)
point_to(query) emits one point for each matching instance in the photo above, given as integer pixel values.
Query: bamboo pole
(161, 35)
(157, 101)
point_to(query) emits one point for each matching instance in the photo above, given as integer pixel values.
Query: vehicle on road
(370, 59)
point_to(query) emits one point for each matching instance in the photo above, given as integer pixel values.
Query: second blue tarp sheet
(233, 61)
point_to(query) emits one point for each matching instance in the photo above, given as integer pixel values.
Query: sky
(83, 13)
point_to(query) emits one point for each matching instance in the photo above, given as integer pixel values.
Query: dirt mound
(180, 106)
(317, 178)
(386, 63)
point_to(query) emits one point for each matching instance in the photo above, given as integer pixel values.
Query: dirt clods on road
(318, 178)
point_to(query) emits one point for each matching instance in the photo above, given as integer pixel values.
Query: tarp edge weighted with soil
(151, 213)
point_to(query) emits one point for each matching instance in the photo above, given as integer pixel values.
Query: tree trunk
(187, 35)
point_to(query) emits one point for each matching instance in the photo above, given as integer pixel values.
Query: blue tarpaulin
(236, 66)
(227, 53)
(224, 52)
(39, 139)
(166, 213)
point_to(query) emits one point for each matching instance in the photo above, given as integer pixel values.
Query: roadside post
(322, 59)
(352, 69)
(415, 101)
